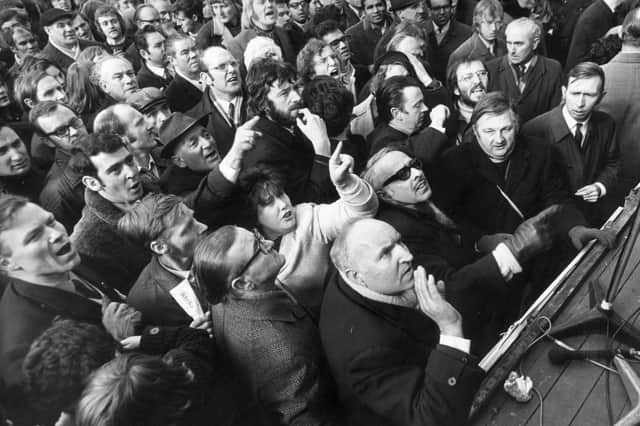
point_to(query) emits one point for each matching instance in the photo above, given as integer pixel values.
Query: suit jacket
(292, 156)
(467, 187)
(182, 95)
(275, 351)
(60, 59)
(238, 44)
(438, 54)
(148, 79)
(542, 91)
(388, 365)
(474, 48)
(592, 24)
(362, 40)
(601, 158)
(299, 36)
(622, 74)
(150, 295)
(216, 124)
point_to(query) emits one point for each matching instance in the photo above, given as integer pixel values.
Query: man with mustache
(63, 47)
(185, 91)
(293, 141)
(585, 139)
(468, 80)
(223, 102)
(402, 114)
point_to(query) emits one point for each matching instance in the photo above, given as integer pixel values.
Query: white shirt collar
(375, 296)
(177, 272)
(159, 71)
(571, 122)
(72, 53)
(488, 44)
(442, 30)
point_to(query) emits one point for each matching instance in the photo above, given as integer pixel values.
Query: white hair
(261, 47)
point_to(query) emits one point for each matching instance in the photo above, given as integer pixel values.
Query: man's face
(581, 96)
(413, 109)
(520, 44)
(224, 10)
(338, 42)
(186, 23)
(411, 46)
(441, 12)
(56, 73)
(14, 159)
(197, 151)
(299, 10)
(278, 217)
(284, 102)
(61, 4)
(110, 26)
(164, 11)
(261, 262)
(82, 29)
(8, 25)
(283, 16)
(4, 95)
(414, 13)
(140, 133)
(124, 5)
(186, 57)
(156, 117)
(382, 261)
(496, 134)
(264, 14)
(50, 89)
(61, 32)
(407, 184)
(149, 16)
(472, 78)
(63, 128)
(326, 63)
(117, 79)
(183, 236)
(489, 27)
(374, 11)
(224, 72)
(155, 53)
(119, 180)
(37, 244)
(25, 44)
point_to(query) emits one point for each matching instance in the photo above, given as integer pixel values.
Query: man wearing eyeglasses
(402, 116)
(468, 80)
(299, 33)
(61, 128)
(446, 36)
(222, 102)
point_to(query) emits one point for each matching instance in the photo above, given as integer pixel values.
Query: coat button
(465, 359)
(452, 381)
(154, 331)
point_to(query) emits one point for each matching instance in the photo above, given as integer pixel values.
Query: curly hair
(61, 360)
(260, 77)
(304, 61)
(330, 100)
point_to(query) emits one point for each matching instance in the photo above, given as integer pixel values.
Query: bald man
(222, 102)
(531, 81)
(394, 344)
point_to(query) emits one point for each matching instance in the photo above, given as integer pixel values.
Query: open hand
(433, 304)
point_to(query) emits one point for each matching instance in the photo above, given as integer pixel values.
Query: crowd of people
(293, 212)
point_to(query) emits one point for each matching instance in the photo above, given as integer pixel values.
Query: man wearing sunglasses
(402, 116)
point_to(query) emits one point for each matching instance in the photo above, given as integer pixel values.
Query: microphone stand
(601, 312)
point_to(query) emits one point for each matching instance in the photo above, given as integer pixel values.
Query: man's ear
(195, 18)
(92, 183)
(178, 161)
(159, 247)
(206, 78)
(456, 91)
(28, 102)
(6, 265)
(241, 284)
(536, 42)
(143, 54)
(395, 113)
(355, 277)
(563, 89)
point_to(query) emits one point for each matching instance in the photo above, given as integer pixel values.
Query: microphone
(561, 355)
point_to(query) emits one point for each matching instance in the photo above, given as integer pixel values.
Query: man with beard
(485, 43)
(222, 102)
(468, 79)
(185, 91)
(63, 47)
(111, 25)
(584, 137)
(530, 80)
(293, 141)
(115, 77)
(17, 174)
(402, 114)
(364, 35)
(446, 36)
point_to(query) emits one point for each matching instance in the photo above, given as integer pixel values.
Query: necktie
(232, 110)
(520, 71)
(578, 137)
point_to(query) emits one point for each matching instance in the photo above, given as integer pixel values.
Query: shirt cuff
(459, 343)
(507, 262)
(602, 188)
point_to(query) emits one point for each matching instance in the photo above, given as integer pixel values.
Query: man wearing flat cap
(412, 11)
(64, 46)
(151, 102)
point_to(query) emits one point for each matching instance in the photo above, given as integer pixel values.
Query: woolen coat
(148, 79)
(474, 48)
(388, 365)
(592, 24)
(60, 59)
(541, 93)
(182, 95)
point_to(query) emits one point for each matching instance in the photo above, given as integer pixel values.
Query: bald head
(115, 76)
(223, 71)
(631, 29)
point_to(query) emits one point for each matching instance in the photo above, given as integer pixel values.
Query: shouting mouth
(64, 250)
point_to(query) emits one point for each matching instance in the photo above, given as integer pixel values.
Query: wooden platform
(574, 393)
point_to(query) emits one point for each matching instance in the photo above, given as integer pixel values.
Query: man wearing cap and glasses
(63, 47)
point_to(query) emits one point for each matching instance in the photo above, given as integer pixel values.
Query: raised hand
(314, 128)
(433, 304)
(341, 168)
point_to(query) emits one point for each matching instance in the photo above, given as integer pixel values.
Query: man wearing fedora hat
(64, 46)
